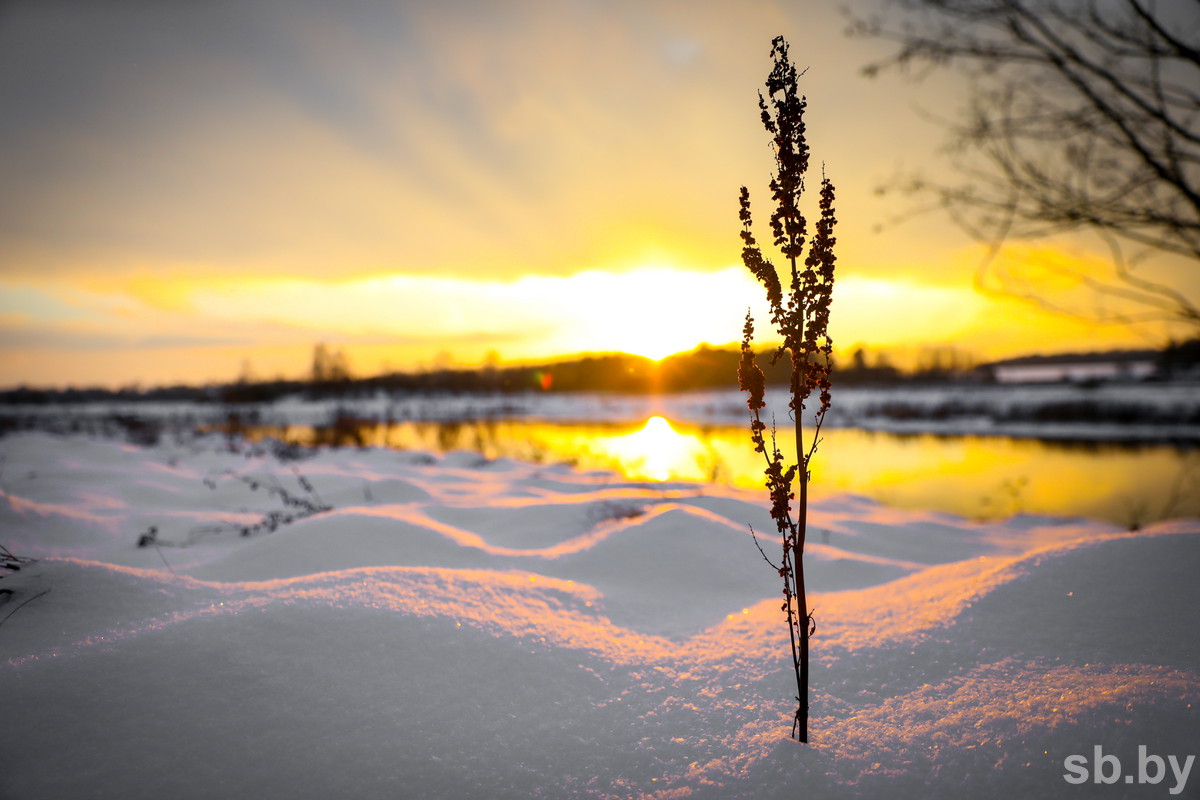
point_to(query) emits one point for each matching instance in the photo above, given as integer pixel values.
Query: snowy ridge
(457, 629)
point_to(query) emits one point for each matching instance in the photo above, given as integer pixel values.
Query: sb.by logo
(1106, 768)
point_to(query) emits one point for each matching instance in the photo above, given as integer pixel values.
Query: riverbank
(1119, 412)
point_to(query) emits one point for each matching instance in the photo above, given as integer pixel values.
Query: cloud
(541, 176)
(38, 336)
(475, 138)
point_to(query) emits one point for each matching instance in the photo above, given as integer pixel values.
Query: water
(981, 477)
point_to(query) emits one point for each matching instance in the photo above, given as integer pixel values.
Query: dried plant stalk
(801, 319)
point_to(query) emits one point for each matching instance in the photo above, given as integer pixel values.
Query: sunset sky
(187, 189)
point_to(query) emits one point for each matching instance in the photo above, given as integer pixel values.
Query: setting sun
(512, 199)
(655, 312)
(429, 399)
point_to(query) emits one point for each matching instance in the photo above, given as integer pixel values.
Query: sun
(656, 312)
(656, 351)
(656, 336)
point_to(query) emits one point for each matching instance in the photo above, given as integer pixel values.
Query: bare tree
(1084, 117)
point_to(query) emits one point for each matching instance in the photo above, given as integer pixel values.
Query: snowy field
(382, 624)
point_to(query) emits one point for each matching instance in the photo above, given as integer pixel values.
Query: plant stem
(798, 557)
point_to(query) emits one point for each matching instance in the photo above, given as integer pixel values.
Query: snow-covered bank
(454, 627)
(1126, 412)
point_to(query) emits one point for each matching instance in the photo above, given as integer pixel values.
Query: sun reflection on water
(657, 451)
(972, 476)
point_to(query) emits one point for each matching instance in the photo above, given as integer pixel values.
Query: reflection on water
(981, 477)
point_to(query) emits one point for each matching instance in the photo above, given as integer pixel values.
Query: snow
(453, 627)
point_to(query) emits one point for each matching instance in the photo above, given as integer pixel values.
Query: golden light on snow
(606, 621)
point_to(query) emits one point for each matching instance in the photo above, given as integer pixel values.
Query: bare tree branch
(1084, 118)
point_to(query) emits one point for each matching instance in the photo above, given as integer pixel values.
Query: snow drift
(457, 628)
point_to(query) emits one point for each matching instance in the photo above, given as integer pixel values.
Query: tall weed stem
(801, 319)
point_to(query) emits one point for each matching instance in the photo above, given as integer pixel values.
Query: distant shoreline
(1167, 413)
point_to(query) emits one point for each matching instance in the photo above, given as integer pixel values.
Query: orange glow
(179, 328)
(589, 207)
